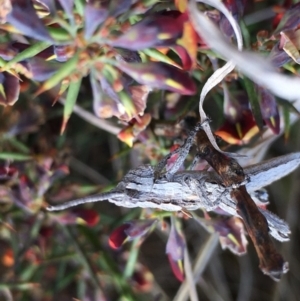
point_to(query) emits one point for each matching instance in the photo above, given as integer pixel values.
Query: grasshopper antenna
(89, 199)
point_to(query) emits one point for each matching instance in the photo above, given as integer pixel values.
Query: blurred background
(76, 117)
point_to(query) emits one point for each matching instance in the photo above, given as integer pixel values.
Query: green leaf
(67, 69)
(60, 35)
(71, 98)
(17, 145)
(14, 157)
(288, 105)
(127, 102)
(80, 6)
(30, 52)
(254, 102)
(157, 55)
(287, 122)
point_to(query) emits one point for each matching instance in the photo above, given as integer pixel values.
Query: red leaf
(185, 57)
(160, 75)
(7, 172)
(239, 132)
(90, 216)
(118, 237)
(189, 40)
(152, 31)
(129, 133)
(290, 19)
(142, 279)
(177, 268)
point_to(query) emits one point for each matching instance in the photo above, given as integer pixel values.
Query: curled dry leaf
(253, 65)
(107, 103)
(136, 126)
(220, 73)
(290, 43)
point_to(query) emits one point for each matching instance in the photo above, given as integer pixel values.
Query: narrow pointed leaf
(30, 52)
(67, 69)
(161, 76)
(60, 35)
(290, 107)
(71, 98)
(14, 157)
(25, 19)
(253, 99)
(161, 57)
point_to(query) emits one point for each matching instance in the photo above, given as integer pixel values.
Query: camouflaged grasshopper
(152, 187)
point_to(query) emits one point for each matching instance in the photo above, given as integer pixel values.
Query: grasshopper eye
(239, 172)
(205, 151)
